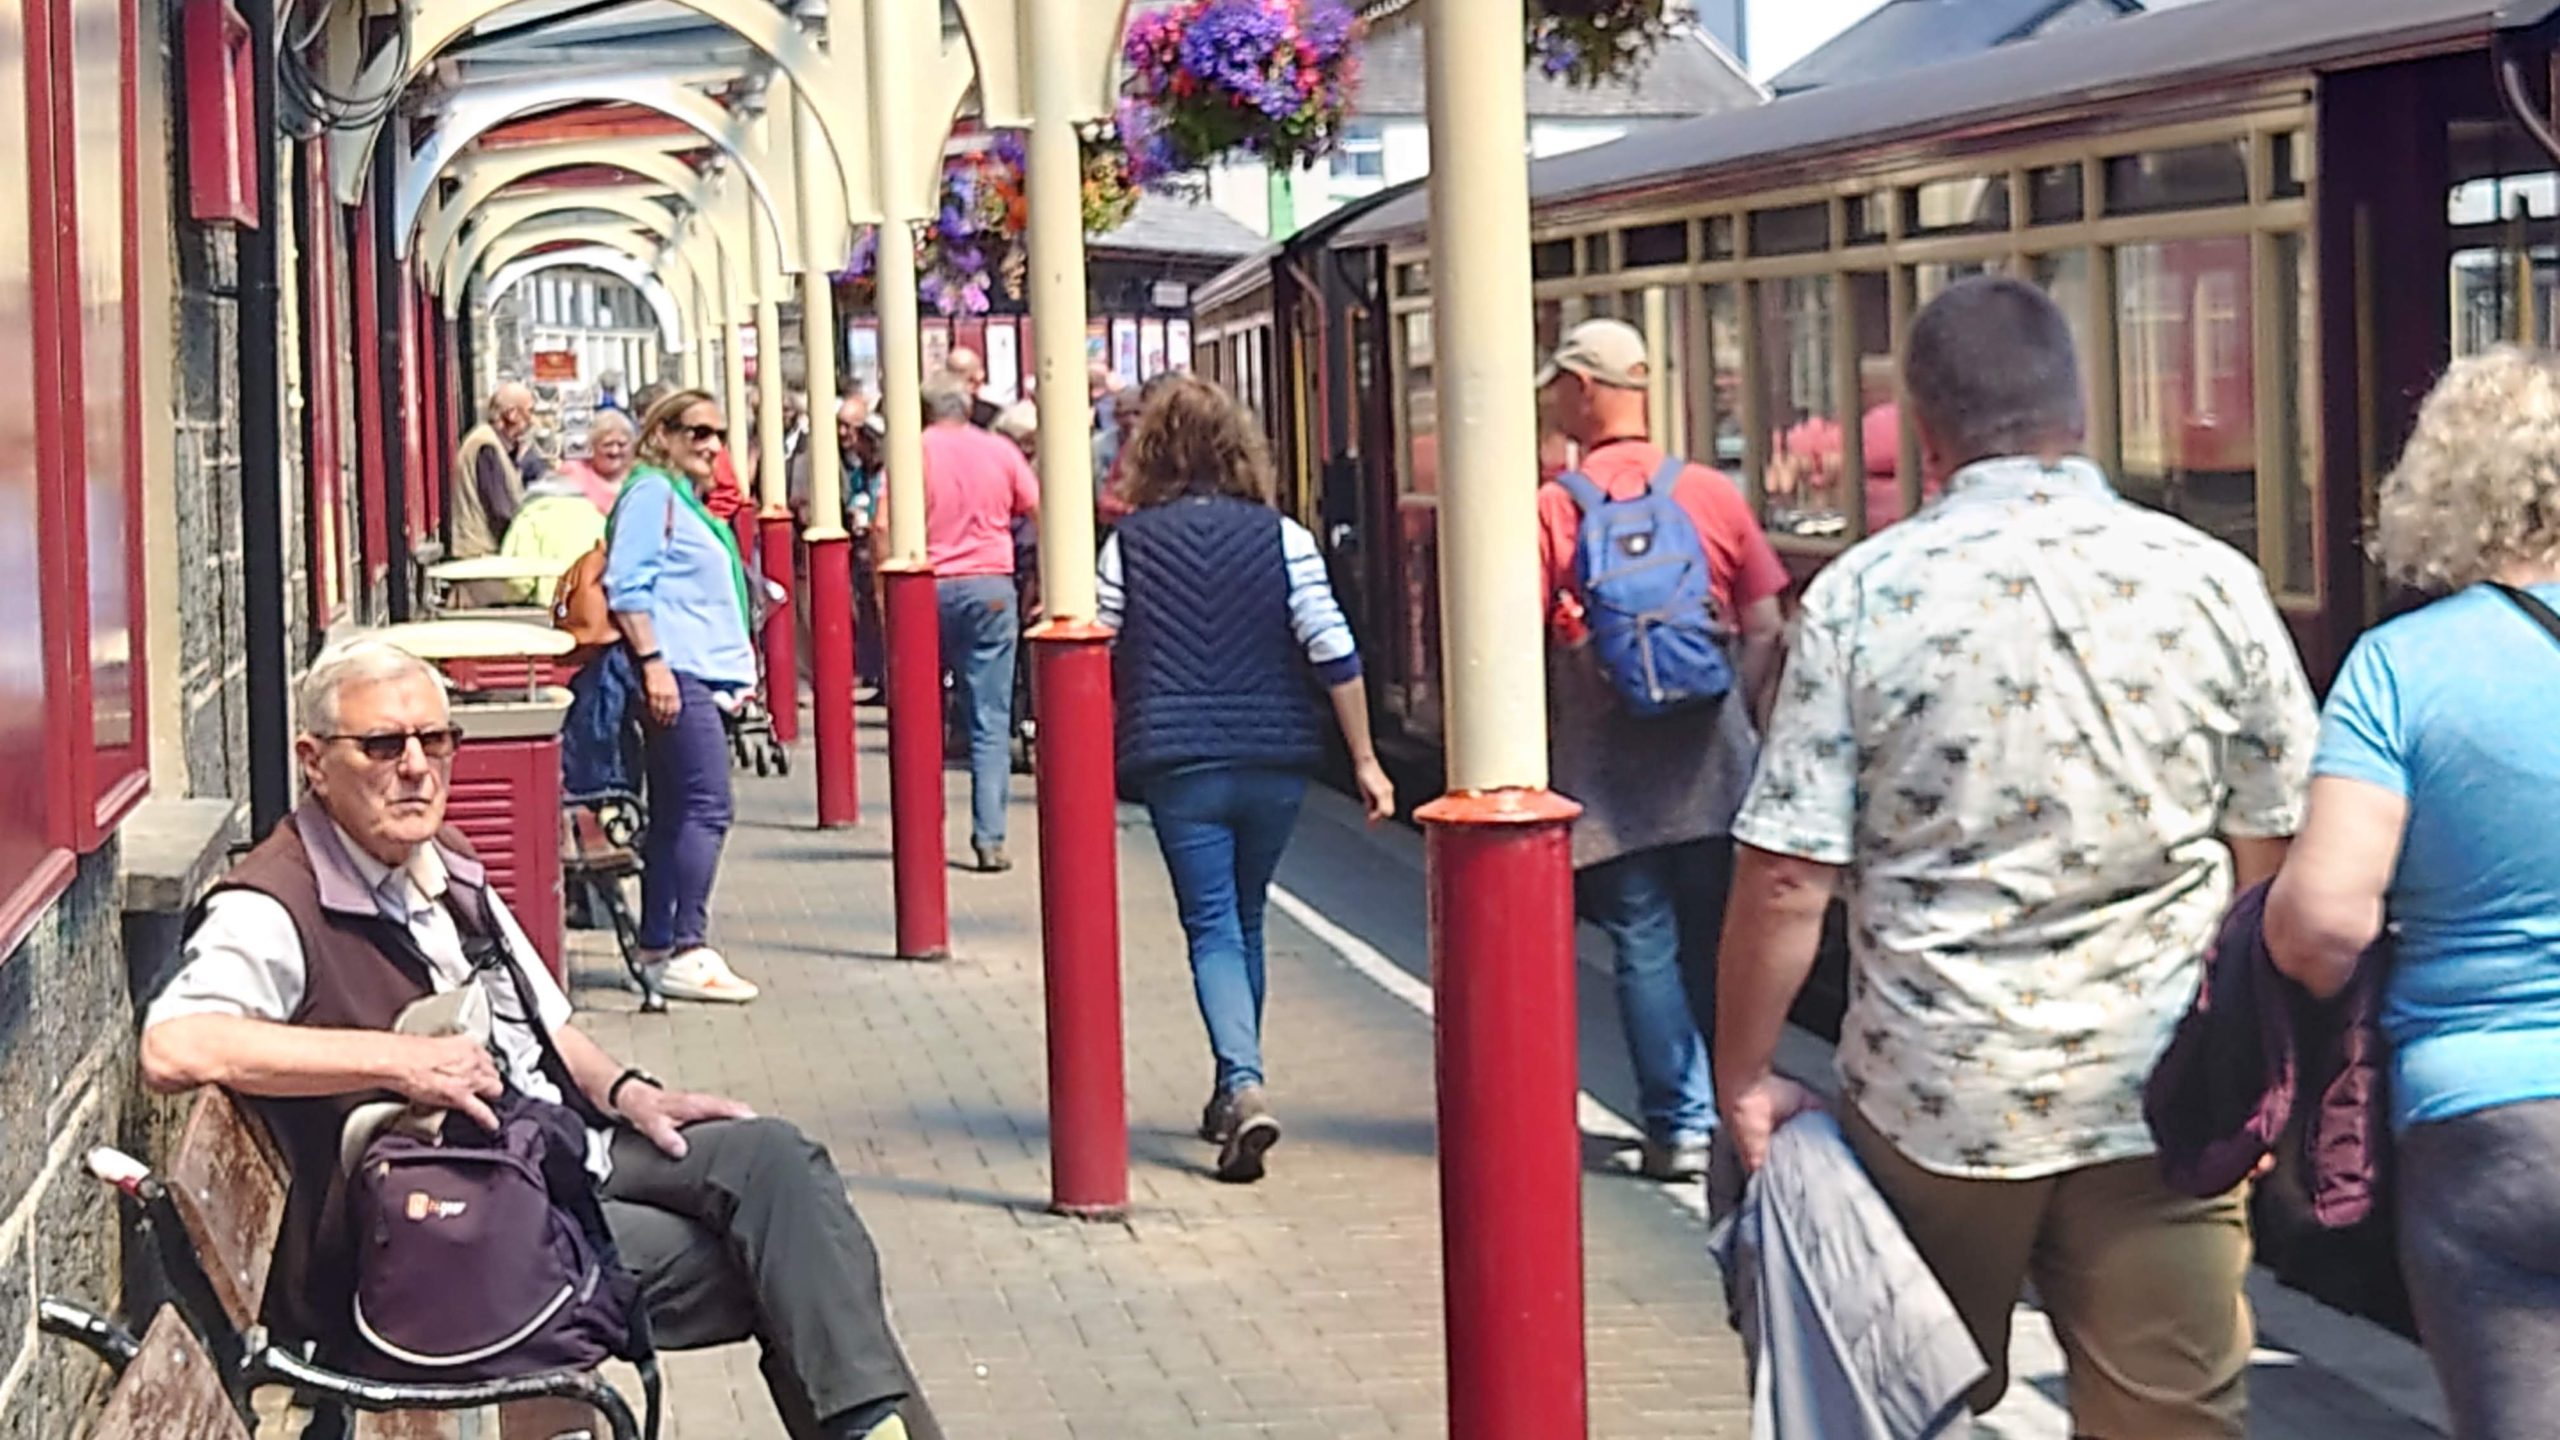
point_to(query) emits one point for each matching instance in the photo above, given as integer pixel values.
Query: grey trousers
(750, 1235)
(2479, 1204)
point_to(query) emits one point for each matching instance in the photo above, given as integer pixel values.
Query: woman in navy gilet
(1230, 647)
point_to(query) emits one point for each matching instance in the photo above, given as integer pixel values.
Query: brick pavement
(1307, 1305)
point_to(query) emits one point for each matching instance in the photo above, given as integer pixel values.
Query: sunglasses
(385, 748)
(700, 434)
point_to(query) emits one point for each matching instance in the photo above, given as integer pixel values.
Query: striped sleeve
(1313, 614)
(1109, 599)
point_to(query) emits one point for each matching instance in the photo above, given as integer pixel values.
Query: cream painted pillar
(1486, 342)
(821, 221)
(1055, 182)
(894, 164)
(733, 373)
(768, 280)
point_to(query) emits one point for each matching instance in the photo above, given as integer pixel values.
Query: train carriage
(2272, 223)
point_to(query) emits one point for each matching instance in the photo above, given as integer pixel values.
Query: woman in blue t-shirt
(2433, 797)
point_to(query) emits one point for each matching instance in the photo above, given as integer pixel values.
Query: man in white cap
(1653, 850)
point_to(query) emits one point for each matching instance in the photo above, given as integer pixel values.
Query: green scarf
(684, 491)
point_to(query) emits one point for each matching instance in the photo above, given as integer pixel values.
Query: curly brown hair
(1194, 440)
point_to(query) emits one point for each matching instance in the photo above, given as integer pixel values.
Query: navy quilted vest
(1206, 670)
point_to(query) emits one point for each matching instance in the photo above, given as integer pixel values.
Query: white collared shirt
(2022, 719)
(245, 959)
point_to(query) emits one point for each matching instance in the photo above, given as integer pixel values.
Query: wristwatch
(613, 1094)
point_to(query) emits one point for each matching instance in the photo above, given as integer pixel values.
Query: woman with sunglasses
(678, 590)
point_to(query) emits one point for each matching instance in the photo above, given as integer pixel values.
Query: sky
(1785, 31)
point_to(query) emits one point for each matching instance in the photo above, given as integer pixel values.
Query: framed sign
(1177, 344)
(1150, 348)
(1004, 362)
(1124, 351)
(555, 367)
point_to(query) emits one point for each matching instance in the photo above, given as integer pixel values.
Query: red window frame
(87, 788)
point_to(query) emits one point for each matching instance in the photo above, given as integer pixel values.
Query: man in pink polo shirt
(975, 485)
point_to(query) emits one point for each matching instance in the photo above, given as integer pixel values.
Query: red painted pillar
(1080, 920)
(1501, 894)
(912, 626)
(781, 627)
(831, 684)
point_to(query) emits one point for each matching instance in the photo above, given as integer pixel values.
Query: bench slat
(170, 1391)
(229, 1190)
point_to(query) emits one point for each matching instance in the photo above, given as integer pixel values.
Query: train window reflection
(1715, 433)
(1879, 408)
(1866, 216)
(1953, 207)
(2501, 296)
(1421, 407)
(1798, 348)
(1664, 244)
(1551, 259)
(2186, 390)
(2296, 540)
(1930, 281)
(2055, 195)
(2187, 178)
(1719, 237)
(1795, 230)
(2064, 275)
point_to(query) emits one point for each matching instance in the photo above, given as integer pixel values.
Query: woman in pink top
(610, 451)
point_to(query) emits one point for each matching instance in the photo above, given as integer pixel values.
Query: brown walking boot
(1256, 1131)
(1218, 1118)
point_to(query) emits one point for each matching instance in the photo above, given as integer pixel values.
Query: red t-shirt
(1743, 568)
(727, 496)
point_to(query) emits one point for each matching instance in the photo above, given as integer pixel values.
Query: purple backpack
(481, 1255)
(487, 1256)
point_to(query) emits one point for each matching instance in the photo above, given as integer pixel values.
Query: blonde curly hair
(2478, 488)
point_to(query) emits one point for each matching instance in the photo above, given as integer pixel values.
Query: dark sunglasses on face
(700, 434)
(385, 748)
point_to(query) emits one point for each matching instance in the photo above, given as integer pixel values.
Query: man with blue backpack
(1663, 641)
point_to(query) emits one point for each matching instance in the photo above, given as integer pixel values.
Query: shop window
(2186, 392)
(1360, 161)
(1800, 403)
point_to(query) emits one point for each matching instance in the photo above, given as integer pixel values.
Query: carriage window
(2064, 275)
(1666, 244)
(1930, 281)
(1973, 205)
(1551, 260)
(1421, 408)
(1550, 326)
(2297, 493)
(2192, 177)
(1797, 353)
(1715, 417)
(1796, 230)
(1597, 258)
(2186, 389)
(1413, 278)
(2055, 195)
(1719, 237)
(2501, 295)
(1866, 219)
(1878, 473)
(2292, 173)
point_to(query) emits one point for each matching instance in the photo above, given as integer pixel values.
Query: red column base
(831, 680)
(912, 623)
(1080, 921)
(781, 632)
(1502, 973)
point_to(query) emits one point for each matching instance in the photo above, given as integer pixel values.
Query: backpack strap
(1667, 479)
(1586, 493)
(2532, 605)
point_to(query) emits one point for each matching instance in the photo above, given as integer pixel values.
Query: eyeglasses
(700, 434)
(385, 748)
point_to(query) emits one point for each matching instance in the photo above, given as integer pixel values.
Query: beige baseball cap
(1604, 352)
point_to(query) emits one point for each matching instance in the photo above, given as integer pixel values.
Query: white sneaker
(701, 974)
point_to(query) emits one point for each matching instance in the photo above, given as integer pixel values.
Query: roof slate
(1906, 34)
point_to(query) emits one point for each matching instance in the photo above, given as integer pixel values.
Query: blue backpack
(1644, 576)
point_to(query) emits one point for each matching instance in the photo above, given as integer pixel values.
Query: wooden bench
(226, 1185)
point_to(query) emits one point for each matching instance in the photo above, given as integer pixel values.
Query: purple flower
(1010, 150)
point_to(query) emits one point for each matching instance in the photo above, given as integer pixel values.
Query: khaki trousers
(2143, 1284)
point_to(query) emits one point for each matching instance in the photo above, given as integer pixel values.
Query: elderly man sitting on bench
(298, 966)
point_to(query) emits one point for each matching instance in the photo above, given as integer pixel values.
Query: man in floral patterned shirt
(2036, 729)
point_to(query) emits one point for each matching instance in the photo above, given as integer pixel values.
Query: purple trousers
(689, 814)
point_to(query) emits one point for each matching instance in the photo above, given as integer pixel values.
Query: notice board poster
(1151, 349)
(1177, 345)
(1124, 350)
(1004, 362)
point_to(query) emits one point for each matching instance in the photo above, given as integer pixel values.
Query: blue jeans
(979, 633)
(1222, 828)
(689, 814)
(1663, 911)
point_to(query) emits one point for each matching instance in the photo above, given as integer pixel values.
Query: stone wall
(66, 1070)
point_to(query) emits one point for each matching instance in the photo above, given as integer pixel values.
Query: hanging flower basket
(1211, 78)
(1592, 42)
(971, 251)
